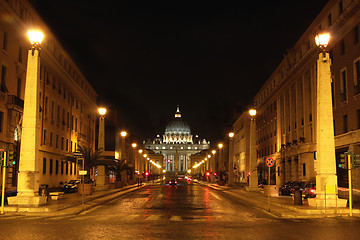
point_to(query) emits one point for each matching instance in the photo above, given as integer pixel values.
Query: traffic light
(2, 156)
(343, 161)
(208, 174)
(146, 173)
(11, 158)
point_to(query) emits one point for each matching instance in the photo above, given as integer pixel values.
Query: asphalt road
(185, 211)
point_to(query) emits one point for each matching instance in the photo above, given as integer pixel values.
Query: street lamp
(122, 156)
(253, 178)
(29, 167)
(221, 165)
(123, 133)
(100, 178)
(136, 160)
(231, 159)
(326, 178)
(102, 111)
(322, 40)
(252, 113)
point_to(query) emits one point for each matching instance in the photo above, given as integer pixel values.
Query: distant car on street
(172, 182)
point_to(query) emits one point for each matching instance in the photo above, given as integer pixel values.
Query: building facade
(177, 145)
(286, 103)
(67, 100)
(241, 144)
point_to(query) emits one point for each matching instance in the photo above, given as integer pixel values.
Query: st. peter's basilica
(177, 145)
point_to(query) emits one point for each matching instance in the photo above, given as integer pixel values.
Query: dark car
(71, 186)
(261, 183)
(308, 189)
(172, 182)
(7, 194)
(288, 188)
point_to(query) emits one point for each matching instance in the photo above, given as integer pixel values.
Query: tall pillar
(326, 179)
(100, 178)
(231, 160)
(28, 177)
(253, 179)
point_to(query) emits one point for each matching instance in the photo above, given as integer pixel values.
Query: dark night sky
(144, 58)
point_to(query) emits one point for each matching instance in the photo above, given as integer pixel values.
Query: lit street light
(100, 178)
(231, 159)
(326, 179)
(29, 167)
(253, 178)
(123, 134)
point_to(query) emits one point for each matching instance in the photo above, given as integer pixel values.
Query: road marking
(153, 217)
(131, 217)
(175, 218)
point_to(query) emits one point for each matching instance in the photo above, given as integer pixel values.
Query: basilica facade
(177, 145)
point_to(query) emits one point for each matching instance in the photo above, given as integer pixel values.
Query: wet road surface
(185, 211)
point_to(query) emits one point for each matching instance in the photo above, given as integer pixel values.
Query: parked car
(261, 183)
(308, 189)
(71, 186)
(7, 194)
(288, 188)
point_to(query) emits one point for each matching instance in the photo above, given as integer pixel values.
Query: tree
(120, 166)
(92, 158)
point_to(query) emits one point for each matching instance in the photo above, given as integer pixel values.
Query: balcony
(14, 102)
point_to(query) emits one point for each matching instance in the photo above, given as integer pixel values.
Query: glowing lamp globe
(35, 37)
(322, 40)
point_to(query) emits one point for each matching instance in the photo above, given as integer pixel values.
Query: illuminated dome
(177, 131)
(177, 126)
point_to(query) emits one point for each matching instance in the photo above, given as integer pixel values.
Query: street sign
(269, 162)
(82, 172)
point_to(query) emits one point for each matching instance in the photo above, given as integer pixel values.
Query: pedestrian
(138, 182)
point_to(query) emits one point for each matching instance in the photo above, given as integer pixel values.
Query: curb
(286, 211)
(71, 208)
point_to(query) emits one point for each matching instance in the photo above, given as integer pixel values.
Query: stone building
(68, 108)
(177, 145)
(286, 103)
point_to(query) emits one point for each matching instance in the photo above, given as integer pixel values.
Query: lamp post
(213, 162)
(134, 159)
(326, 179)
(28, 177)
(231, 159)
(100, 178)
(123, 135)
(253, 178)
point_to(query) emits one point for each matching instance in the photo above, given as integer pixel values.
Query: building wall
(67, 100)
(241, 128)
(286, 103)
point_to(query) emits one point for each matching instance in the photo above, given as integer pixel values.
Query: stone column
(231, 162)
(253, 179)
(28, 177)
(326, 179)
(100, 178)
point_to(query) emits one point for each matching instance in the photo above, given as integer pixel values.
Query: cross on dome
(178, 114)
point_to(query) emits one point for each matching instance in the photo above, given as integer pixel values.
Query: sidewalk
(283, 206)
(71, 203)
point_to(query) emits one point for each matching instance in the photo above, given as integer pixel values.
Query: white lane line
(175, 218)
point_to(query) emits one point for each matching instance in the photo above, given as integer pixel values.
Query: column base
(33, 201)
(329, 202)
(102, 187)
